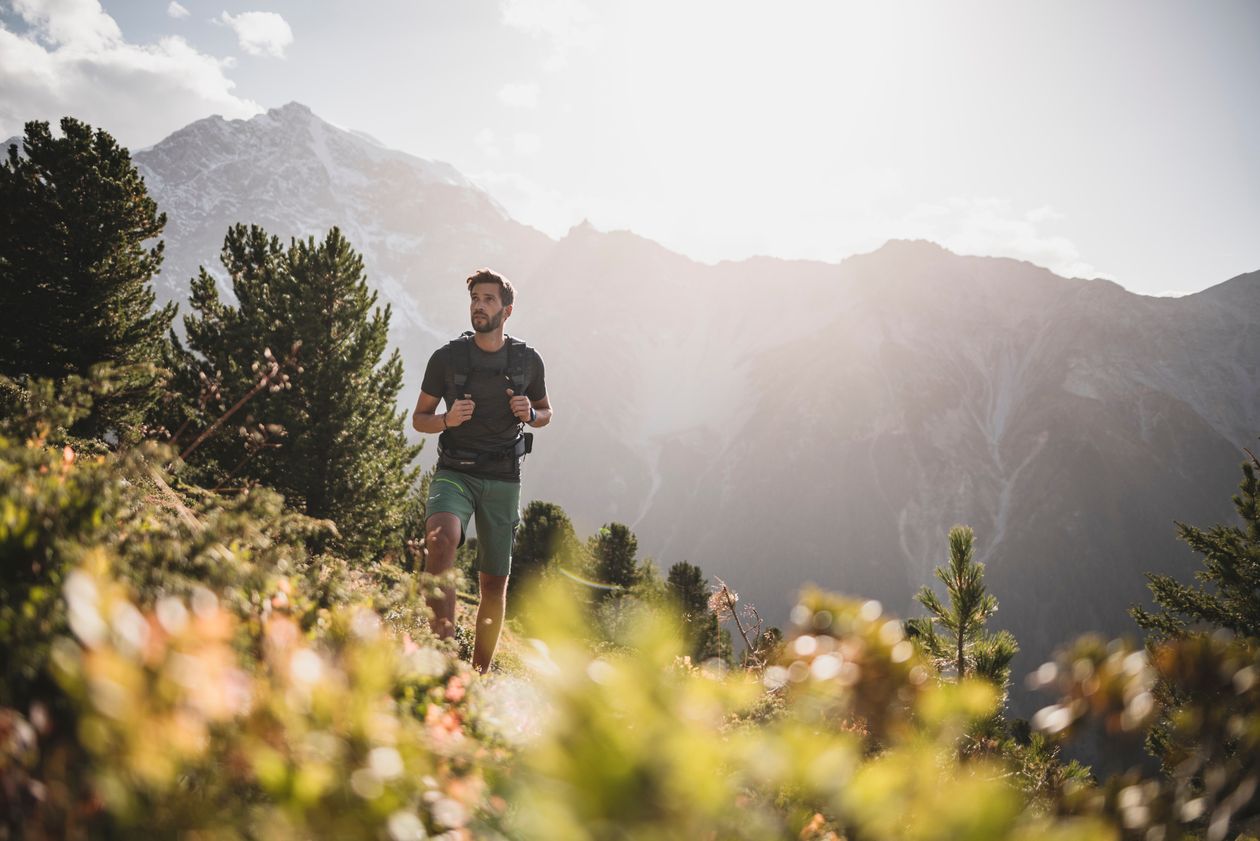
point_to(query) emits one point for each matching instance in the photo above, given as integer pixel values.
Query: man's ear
(507, 312)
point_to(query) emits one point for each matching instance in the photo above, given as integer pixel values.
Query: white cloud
(260, 33)
(567, 24)
(485, 141)
(991, 227)
(82, 23)
(526, 143)
(176, 11)
(72, 60)
(519, 95)
(1045, 213)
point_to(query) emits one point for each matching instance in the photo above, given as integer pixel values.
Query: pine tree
(1227, 597)
(966, 646)
(76, 260)
(689, 590)
(614, 551)
(544, 539)
(690, 594)
(332, 441)
(1228, 594)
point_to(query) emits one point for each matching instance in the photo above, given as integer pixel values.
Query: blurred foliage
(150, 641)
(338, 736)
(178, 665)
(181, 664)
(1211, 790)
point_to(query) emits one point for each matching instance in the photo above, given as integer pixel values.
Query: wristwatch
(533, 416)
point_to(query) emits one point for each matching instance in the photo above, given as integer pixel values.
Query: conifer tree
(1228, 593)
(335, 445)
(690, 594)
(613, 551)
(1227, 597)
(689, 590)
(544, 538)
(76, 259)
(966, 646)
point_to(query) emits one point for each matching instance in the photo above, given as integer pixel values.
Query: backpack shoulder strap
(517, 370)
(458, 365)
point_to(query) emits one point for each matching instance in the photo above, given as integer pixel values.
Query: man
(493, 385)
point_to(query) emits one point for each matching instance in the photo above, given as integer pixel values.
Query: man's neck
(489, 342)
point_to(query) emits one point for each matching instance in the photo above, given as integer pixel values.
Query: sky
(1115, 139)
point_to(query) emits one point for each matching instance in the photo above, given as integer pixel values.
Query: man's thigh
(454, 494)
(498, 514)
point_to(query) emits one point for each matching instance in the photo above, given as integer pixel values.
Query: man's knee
(441, 540)
(493, 586)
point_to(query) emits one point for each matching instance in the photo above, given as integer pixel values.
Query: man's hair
(506, 293)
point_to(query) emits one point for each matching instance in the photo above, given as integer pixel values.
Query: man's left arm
(533, 408)
(535, 413)
(542, 412)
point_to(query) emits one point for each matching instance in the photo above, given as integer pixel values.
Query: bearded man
(493, 385)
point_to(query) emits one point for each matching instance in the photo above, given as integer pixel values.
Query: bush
(177, 663)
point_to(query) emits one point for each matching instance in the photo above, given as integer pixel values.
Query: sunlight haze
(1112, 140)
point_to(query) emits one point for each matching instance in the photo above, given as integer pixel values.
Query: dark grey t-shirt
(492, 428)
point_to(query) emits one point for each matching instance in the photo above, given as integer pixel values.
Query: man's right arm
(424, 418)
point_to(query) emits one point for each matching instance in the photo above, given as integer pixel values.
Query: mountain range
(780, 422)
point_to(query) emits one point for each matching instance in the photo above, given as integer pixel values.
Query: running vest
(459, 356)
(459, 364)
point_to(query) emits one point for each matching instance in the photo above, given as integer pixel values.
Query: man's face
(486, 308)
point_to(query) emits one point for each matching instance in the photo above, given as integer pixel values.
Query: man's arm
(540, 407)
(521, 406)
(424, 418)
(542, 413)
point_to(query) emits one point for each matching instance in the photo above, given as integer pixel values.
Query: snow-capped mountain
(419, 224)
(779, 422)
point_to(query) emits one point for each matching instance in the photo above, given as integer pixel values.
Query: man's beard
(491, 323)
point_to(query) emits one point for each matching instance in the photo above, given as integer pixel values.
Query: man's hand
(459, 412)
(521, 406)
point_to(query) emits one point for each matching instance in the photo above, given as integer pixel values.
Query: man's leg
(497, 517)
(442, 532)
(489, 619)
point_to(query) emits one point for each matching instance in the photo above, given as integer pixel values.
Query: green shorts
(496, 505)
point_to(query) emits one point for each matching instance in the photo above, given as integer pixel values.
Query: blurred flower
(722, 601)
(455, 688)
